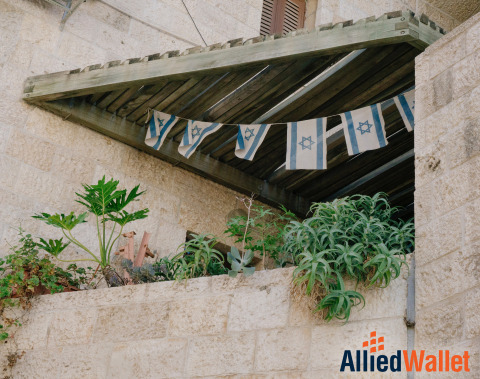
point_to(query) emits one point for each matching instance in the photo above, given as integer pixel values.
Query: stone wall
(44, 159)
(448, 14)
(447, 197)
(209, 327)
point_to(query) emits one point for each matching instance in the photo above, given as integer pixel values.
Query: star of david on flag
(364, 129)
(406, 106)
(194, 134)
(307, 145)
(158, 127)
(249, 139)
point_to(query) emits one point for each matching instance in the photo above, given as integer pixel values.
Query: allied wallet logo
(364, 360)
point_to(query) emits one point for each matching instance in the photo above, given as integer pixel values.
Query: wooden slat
(141, 95)
(317, 43)
(116, 127)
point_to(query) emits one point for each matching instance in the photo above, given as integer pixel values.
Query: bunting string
(364, 130)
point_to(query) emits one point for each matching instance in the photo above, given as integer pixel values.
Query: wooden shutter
(282, 16)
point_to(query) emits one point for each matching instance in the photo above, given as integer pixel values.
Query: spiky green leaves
(240, 263)
(67, 222)
(54, 247)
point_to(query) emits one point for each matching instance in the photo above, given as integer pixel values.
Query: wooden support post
(142, 250)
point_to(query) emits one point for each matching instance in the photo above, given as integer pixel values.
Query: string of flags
(364, 130)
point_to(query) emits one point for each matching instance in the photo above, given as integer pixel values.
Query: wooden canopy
(302, 75)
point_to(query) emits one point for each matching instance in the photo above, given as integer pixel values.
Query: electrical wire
(194, 23)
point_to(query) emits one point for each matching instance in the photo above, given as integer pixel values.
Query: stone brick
(32, 334)
(464, 143)
(170, 236)
(457, 187)
(423, 205)
(131, 322)
(422, 70)
(431, 162)
(163, 358)
(71, 168)
(473, 39)
(440, 237)
(221, 355)
(279, 350)
(343, 337)
(88, 362)
(425, 107)
(447, 276)
(199, 316)
(472, 222)
(466, 74)
(264, 309)
(46, 35)
(71, 327)
(9, 168)
(177, 289)
(442, 89)
(108, 15)
(76, 50)
(439, 327)
(30, 150)
(127, 295)
(472, 316)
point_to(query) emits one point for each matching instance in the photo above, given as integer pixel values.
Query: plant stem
(74, 240)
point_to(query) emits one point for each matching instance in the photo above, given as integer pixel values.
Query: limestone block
(423, 205)
(473, 39)
(86, 362)
(76, 50)
(221, 355)
(170, 237)
(424, 107)
(441, 18)
(32, 334)
(422, 70)
(431, 162)
(329, 341)
(71, 327)
(30, 150)
(45, 63)
(177, 289)
(115, 296)
(440, 237)
(279, 350)
(457, 187)
(466, 74)
(472, 222)
(162, 204)
(131, 322)
(58, 302)
(439, 327)
(8, 42)
(161, 358)
(442, 89)
(259, 281)
(40, 32)
(472, 316)
(108, 15)
(199, 316)
(73, 168)
(9, 168)
(464, 143)
(14, 112)
(10, 17)
(15, 70)
(267, 308)
(447, 276)
(451, 52)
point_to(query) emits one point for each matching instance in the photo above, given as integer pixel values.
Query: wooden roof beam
(393, 28)
(122, 130)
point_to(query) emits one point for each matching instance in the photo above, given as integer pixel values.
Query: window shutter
(282, 16)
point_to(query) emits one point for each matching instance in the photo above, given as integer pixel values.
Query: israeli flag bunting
(364, 129)
(249, 139)
(307, 145)
(406, 106)
(194, 134)
(159, 126)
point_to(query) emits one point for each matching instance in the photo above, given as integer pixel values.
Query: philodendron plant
(107, 203)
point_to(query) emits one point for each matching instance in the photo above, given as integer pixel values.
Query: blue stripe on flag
(351, 133)
(163, 131)
(378, 125)
(185, 140)
(407, 110)
(241, 144)
(153, 130)
(197, 142)
(293, 146)
(256, 141)
(319, 143)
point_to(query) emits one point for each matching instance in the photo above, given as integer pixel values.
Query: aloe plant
(107, 203)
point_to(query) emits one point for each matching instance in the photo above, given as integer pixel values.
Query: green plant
(197, 258)
(24, 273)
(354, 237)
(239, 263)
(262, 230)
(107, 203)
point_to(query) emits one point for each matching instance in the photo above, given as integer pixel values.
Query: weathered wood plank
(317, 43)
(117, 128)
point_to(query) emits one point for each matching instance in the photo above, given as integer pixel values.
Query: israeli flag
(406, 106)
(307, 145)
(364, 129)
(194, 134)
(159, 126)
(249, 139)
